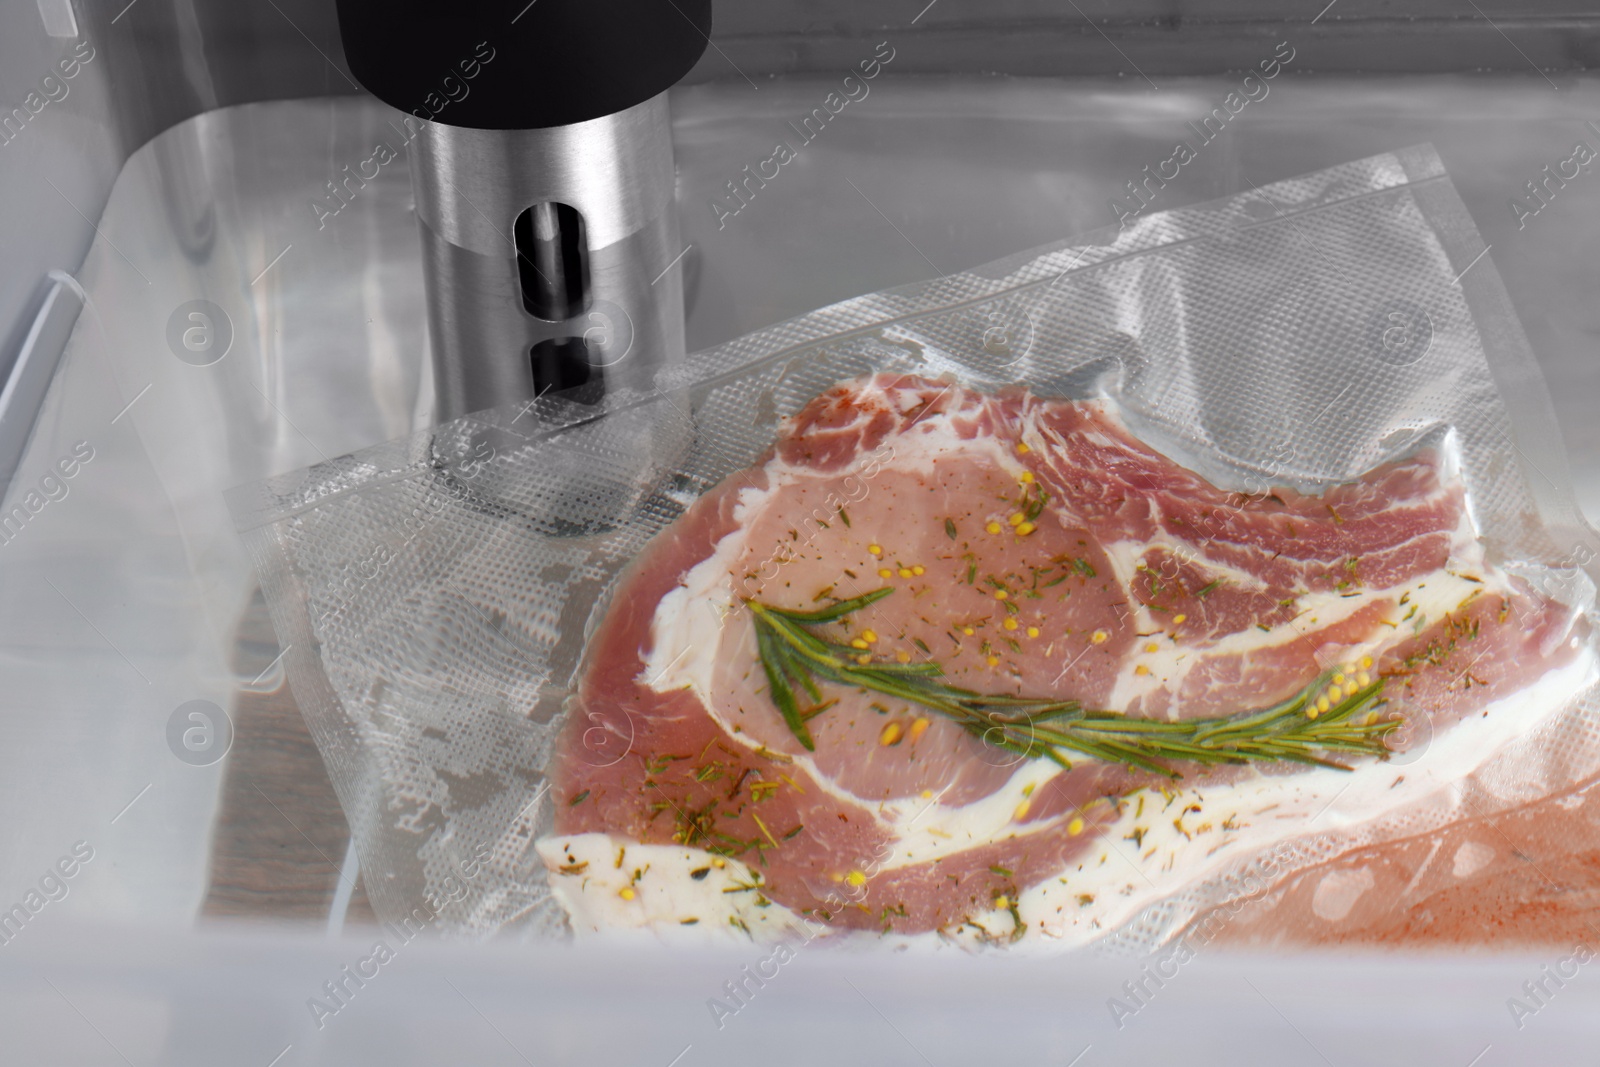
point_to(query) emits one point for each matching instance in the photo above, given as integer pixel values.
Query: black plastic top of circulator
(516, 64)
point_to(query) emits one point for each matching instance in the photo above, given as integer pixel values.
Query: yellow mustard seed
(1363, 679)
(967, 630)
(1010, 624)
(919, 728)
(1371, 717)
(1323, 703)
(1338, 678)
(876, 550)
(1335, 693)
(869, 636)
(1099, 637)
(994, 661)
(864, 660)
(1022, 811)
(1152, 647)
(837, 877)
(1033, 631)
(1017, 518)
(1141, 670)
(1000, 594)
(1026, 478)
(1002, 902)
(1312, 712)
(885, 572)
(1177, 620)
(927, 794)
(1025, 528)
(1366, 663)
(1075, 827)
(1022, 448)
(719, 862)
(626, 893)
(919, 570)
(993, 527)
(903, 656)
(889, 735)
(905, 572)
(856, 878)
(858, 643)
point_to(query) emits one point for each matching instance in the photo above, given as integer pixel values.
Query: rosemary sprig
(795, 659)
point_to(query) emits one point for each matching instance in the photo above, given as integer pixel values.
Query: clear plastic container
(129, 595)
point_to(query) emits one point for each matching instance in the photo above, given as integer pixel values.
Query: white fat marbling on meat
(1432, 595)
(1427, 599)
(608, 884)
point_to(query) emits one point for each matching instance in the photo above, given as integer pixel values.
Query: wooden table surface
(280, 834)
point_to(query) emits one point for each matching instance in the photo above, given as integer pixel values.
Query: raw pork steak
(1033, 547)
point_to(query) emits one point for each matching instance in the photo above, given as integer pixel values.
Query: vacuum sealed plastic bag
(1089, 592)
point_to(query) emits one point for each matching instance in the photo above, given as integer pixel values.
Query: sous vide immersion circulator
(543, 176)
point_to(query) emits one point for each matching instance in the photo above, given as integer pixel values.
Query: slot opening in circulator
(552, 261)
